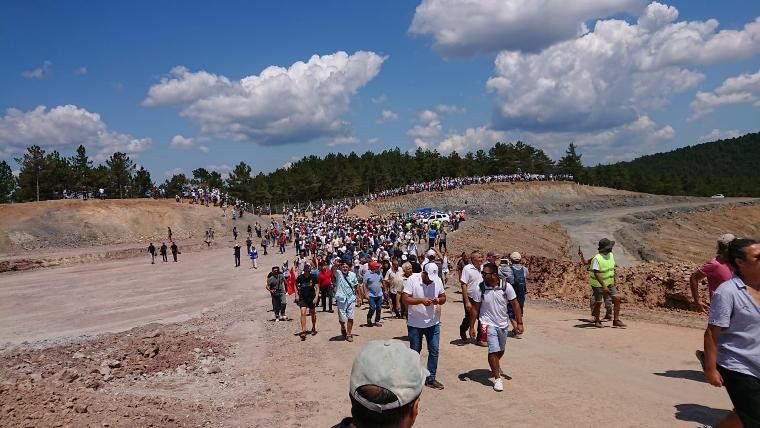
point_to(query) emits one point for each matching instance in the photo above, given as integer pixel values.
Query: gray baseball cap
(389, 364)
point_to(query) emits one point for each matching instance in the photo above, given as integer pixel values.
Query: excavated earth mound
(522, 199)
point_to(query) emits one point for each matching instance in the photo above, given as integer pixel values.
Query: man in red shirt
(324, 278)
(717, 271)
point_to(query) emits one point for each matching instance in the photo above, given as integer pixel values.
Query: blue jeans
(375, 307)
(433, 336)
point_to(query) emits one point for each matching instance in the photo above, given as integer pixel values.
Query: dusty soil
(690, 235)
(107, 339)
(505, 199)
(230, 365)
(64, 232)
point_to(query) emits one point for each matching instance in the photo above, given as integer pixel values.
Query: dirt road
(562, 373)
(587, 228)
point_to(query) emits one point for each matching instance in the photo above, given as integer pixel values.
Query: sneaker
(618, 323)
(701, 358)
(276, 319)
(598, 324)
(498, 385)
(432, 383)
(378, 324)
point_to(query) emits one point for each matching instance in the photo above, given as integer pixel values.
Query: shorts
(744, 391)
(306, 299)
(345, 308)
(599, 295)
(495, 337)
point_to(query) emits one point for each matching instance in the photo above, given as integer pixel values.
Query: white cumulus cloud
(387, 116)
(180, 142)
(169, 173)
(427, 130)
(720, 134)
(280, 105)
(64, 127)
(744, 88)
(467, 27)
(38, 72)
(343, 141)
(612, 75)
(447, 108)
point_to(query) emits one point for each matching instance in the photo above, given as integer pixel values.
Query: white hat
(431, 269)
(391, 365)
(515, 256)
(431, 252)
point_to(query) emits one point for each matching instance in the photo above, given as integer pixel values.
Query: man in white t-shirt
(470, 280)
(422, 293)
(496, 297)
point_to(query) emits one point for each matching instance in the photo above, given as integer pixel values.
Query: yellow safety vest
(606, 271)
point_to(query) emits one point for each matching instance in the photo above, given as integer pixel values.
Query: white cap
(515, 256)
(431, 269)
(431, 252)
(389, 364)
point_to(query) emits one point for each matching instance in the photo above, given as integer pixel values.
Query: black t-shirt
(416, 267)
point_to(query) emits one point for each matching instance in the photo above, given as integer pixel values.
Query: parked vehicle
(718, 196)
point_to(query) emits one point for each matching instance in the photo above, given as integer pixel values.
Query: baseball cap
(389, 364)
(431, 252)
(726, 239)
(492, 254)
(515, 256)
(605, 243)
(374, 265)
(431, 269)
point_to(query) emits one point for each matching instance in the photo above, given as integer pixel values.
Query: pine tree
(7, 182)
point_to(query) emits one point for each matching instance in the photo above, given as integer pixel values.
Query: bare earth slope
(75, 223)
(232, 366)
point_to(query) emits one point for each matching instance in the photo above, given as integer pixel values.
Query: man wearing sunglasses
(496, 296)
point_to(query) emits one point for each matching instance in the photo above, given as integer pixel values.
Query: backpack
(502, 286)
(519, 276)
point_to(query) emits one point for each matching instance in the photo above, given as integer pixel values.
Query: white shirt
(421, 316)
(472, 277)
(493, 308)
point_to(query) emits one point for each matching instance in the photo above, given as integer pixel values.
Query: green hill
(730, 167)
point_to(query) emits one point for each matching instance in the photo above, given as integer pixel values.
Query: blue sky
(621, 78)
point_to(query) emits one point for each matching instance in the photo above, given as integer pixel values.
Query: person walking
(496, 297)
(517, 276)
(152, 253)
(169, 233)
(422, 293)
(236, 252)
(248, 245)
(264, 243)
(470, 281)
(732, 337)
(234, 233)
(385, 386)
(308, 296)
(276, 288)
(717, 271)
(345, 298)
(394, 283)
(325, 279)
(162, 251)
(442, 239)
(282, 240)
(601, 276)
(373, 283)
(254, 256)
(175, 251)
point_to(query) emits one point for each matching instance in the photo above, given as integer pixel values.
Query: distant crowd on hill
(215, 197)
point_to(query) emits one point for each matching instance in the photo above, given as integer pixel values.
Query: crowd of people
(400, 265)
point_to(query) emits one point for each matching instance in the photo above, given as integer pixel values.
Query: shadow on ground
(694, 375)
(700, 414)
